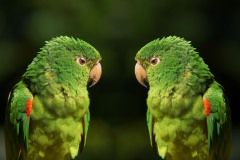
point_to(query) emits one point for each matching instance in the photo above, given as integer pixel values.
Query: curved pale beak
(141, 74)
(95, 74)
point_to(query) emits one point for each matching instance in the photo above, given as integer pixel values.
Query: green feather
(86, 125)
(150, 124)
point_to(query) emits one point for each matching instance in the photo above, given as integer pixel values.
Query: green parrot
(188, 116)
(47, 115)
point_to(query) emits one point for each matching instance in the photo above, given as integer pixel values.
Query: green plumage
(55, 85)
(181, 123)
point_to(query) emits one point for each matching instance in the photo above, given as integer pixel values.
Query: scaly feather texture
(188, 116)
(48, 110)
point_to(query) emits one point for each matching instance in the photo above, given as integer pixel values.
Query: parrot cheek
(141, 74)
(95, 74)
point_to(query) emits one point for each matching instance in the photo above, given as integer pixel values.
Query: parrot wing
(17, 121)
(150, 124)
(218, 122)
(85, 124)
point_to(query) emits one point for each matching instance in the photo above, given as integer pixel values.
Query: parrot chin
(95, 74)
(141, 74)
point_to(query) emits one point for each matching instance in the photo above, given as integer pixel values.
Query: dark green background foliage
(118, 29)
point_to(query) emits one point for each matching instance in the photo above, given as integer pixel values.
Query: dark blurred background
(118, 29)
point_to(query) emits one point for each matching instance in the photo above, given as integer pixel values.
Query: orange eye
(82, 61)
(154, 61)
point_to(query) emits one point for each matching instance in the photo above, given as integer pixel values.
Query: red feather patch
(207, 106)
(29, 107)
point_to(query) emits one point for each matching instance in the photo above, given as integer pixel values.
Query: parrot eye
(154, 61)
(82, 61)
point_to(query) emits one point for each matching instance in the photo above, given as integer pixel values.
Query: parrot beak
(141, 74)
(95, 74)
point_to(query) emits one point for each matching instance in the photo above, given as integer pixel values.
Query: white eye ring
(154, 61)
(82, 61)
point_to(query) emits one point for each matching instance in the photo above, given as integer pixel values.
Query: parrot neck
(188, 83)
(47, 84)
(49, 90)
(170, 93)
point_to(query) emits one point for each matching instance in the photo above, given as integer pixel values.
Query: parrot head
(67, 61)
(167, 60)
